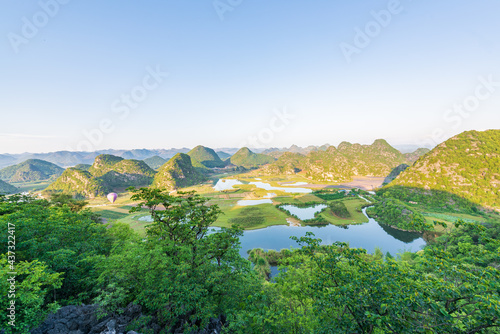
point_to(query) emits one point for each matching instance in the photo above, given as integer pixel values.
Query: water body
(267, 186)
(304, 213)
(295, 184)
(368, 236)
(226, 184)
(249, 202)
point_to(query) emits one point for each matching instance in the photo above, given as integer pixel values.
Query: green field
(31, 186)
(352, 204)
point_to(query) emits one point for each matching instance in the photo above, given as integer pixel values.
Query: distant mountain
(277, 152)
(223, 155)
(70, 159)
(6, 189)
(342, 163)
(413, 156)
(107, 173)
(206, 156)
(248, 159)
(31, 170)
(80, 183)
(467, 165)
(7, 160)
(176, 173)
(155, 162)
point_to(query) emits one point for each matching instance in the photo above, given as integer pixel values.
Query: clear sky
(80, 75)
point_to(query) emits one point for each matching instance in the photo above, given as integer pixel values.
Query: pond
(368, 236)
(226, 184)
(249, 202)
(304, 213)
(267, 186)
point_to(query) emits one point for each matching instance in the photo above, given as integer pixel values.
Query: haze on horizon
(88, 75)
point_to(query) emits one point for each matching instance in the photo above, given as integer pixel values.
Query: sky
(89, 75)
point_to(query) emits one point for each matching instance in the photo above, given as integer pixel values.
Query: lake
(368, 235)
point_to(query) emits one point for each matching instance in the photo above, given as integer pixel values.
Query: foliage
(396, 213)
(6, 188)
(339, 209)
(25, 293)
(65, 240)
(329, 195)
(182, 272)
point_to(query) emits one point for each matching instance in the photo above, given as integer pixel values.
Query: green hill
(31, 170)
(106, 163)
(80, 183)
(6, 189)
(155, 162)
(107, 173)
(248, 159)
(84, 167)
(467, 165)
(206, 156)
(178, 172)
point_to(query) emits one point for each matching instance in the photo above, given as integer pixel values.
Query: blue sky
(422, 71)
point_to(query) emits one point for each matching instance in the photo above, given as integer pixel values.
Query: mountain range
(342, 163)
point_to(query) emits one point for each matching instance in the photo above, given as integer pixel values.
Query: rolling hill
(248, 159)
(79, 183)
(7, 189)
(107, 173)
(206, 156)
(31, 170)
(176, 173)
(467, 165)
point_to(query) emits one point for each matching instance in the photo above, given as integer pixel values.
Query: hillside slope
(31, 170)
(176, 173)
(467, 165)
(6, 189)
(107, 173)
(248, 159)
(80, 183)
(206, 156)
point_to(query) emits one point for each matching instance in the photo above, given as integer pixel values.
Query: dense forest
(183, 276)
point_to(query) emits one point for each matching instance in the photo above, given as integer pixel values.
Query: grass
(356, 217)
(32, 186)
(246, 216)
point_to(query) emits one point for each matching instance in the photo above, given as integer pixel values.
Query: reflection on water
(226, 184)
(304, 213)
(368, 236)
